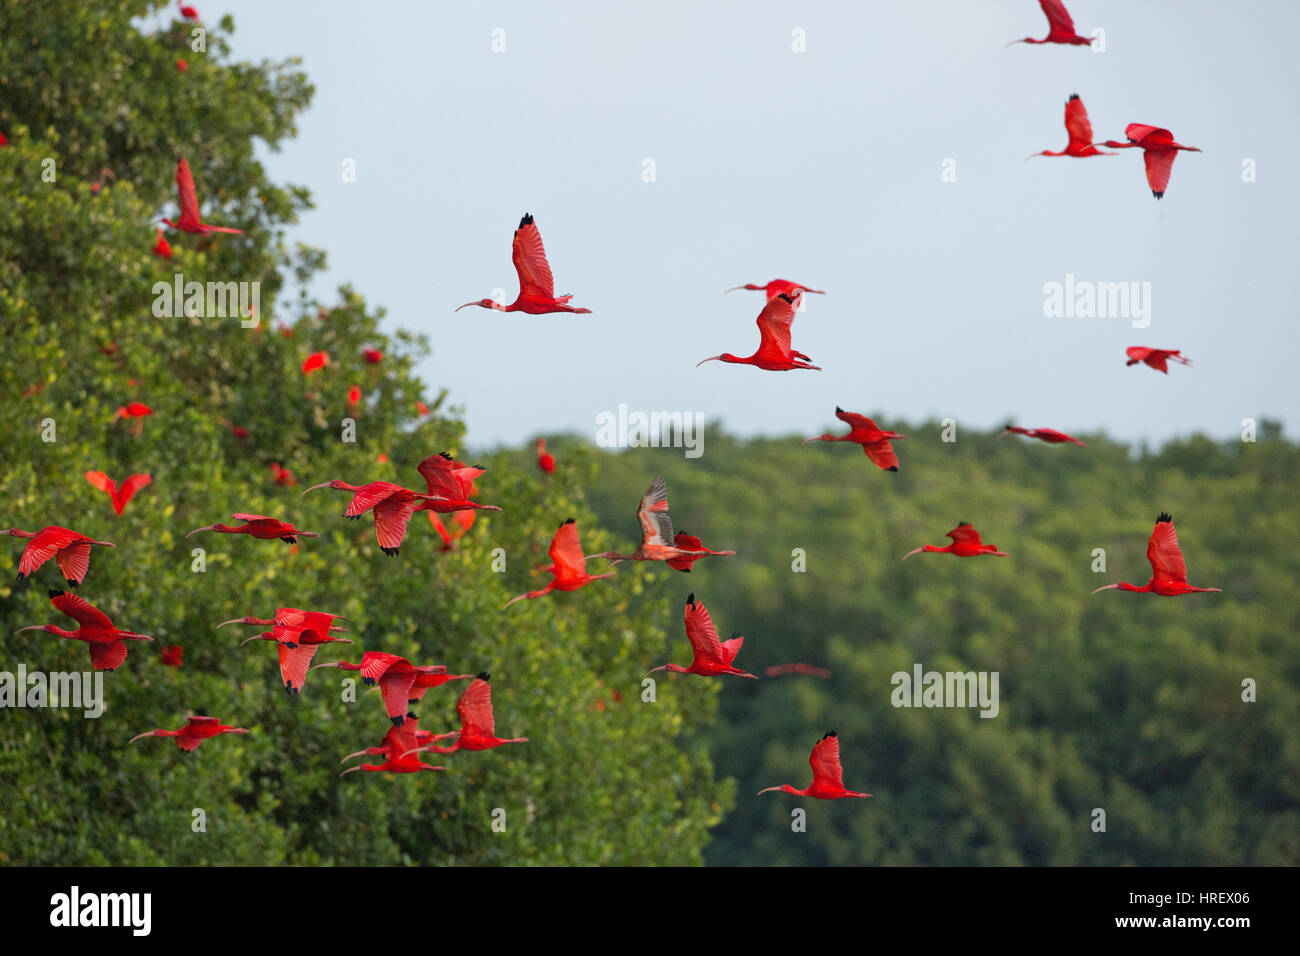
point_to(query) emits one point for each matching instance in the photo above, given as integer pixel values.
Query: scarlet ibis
(190, 220)
(395, 675)
(372, 356)
(776, 287)
(397, 740)
(4, 140)
(568, 566)
(545, 460)
(1049, 435)
(161, 247)
(173, 655)
(1062, 27)
(689, 542)
(1168, 570)
(70, 549)
(107, 652)
(828, 775)
(656, 531)
(536, 286)
(196, 730)
(120, 497)
(712, 656)
(965, 544)
(314, 361)
(863, 431)
(1158, 152)
(296, 646)
(1156, 358)
(461, 522)
(774, 352)
(450, 485)
(295, 619)
(393, 506)
(282, 475)
(136, 411)
(781, 670)
(260, 527)
(1080, 130)
(181, 65)
(188, 12)
(477, 723)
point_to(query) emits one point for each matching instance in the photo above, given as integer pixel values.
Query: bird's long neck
(20, 533)
(1125, 586)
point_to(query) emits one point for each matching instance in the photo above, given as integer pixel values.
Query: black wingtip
(1158, 195)
(786, 298)
(1074, 96)
(690, 599)
(484, 676)
(838, 410)
(829, 733)
(527, 220)
(54, 593)
(1164, 516)
(963, 524)
(570, 521)
(892, 468)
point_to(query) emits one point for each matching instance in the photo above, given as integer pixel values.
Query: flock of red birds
(450, 490)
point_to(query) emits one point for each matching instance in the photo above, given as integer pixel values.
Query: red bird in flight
(568, 565)
(775, 353)
(545, 460)
(316, 360)
(712, 656)
(1049, 435)
(1080, 130)
(190, 221)
(397, 741)
(291, 619)
(477, 723)
(296, 646)
(776, 287)
(161, 247)
(70, 549)
(965, 544)
(1168, 570)
(1062, 27)
(1158, 151)
(863, 431)
(451, 484)
(260, 527)
(828, 775)
(107, 652)
(1156, 358)
(461, 523)
(536, 286)
(656, 532)
(196, 730)
(396, 676)
(696, 550)
(393, 506)
(120, 497)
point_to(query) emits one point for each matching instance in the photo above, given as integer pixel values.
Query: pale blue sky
(822, 167)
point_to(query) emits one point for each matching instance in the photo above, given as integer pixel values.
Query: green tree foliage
(1131, 703)
(602, 780)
